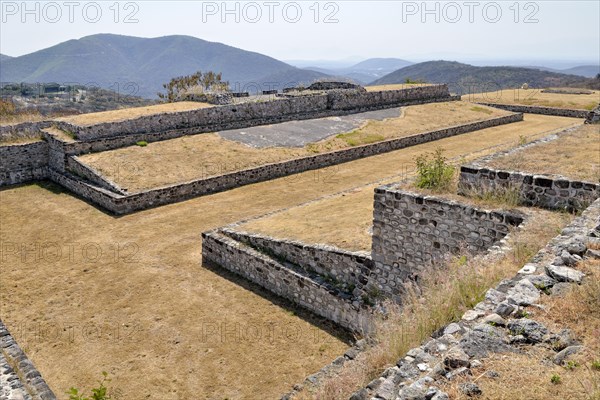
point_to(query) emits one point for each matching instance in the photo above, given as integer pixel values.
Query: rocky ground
(11, 387)
(499, 324)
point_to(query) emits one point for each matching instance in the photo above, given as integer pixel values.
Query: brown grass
(534, 97)
(344, 220)
(448, 292)
(201, 156)
(528, 375)
(156, 302)
(133, 112)
(575, 155)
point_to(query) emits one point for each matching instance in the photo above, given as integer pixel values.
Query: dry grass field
(133, 112)
(201, 156)
(575, 155)
(534, 97)
(83, 291)
(345, 220)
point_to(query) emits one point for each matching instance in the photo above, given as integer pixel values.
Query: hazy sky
(463, 30)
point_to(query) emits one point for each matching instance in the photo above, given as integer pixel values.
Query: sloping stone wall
(411, 231)
(24, 130)
(24, 370)
(344, 269)
(286, 280)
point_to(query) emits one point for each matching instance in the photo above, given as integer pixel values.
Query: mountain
(365, 71)
(110, 60)
(463, 77)
(4, 57)
(588, 71)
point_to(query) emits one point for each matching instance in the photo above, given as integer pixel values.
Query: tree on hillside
(179, 86)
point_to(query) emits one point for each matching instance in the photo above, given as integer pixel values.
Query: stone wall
(152, 198)
(115, 142)
(24, 130)
(344, 269)
(501, 323)
(23, 162)
(533, 190)
(411, 231)
(259, 113)
(24, 371)
(76, 167)
(283, 279)
(561, 112)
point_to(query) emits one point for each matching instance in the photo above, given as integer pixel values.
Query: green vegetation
(99, 393)
(482, 110)
(596, 365)
(358, 137)
(434, 173)
(555, 379)
(142, 143)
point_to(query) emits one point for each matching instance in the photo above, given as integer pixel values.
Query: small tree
(177, 87)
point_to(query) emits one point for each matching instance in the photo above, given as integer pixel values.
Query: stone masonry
(412, 231)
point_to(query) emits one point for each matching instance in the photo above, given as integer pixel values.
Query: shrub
(142, 143)
(555, 379)
(434, 172)
(99, 393)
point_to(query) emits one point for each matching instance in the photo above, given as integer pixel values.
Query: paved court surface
(300, 133)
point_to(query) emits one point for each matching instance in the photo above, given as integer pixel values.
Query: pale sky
(287, 30)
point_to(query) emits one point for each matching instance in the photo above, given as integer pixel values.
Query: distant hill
(4, 57)
(106, 59)
(588, 71)
(465, 77)
(367, 70)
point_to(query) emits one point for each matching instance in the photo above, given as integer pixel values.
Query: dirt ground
(84, 292)
(133, 112)
(534, 97)
(345, 220)
(576, 156)
(201, 156)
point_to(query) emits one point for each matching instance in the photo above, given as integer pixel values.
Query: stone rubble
(503, 322)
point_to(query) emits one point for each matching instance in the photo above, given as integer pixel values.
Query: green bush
(142, 143)
(99, 393)
(433, 171)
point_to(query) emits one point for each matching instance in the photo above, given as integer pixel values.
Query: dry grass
(345, 220)
(447, 293)
(534, 97)
(528, 375)
(133, 112)
(575, 155)
(205, 155)
(160, 301)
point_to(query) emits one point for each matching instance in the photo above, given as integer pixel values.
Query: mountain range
(462, 77)
(113, 61)
(109, 60)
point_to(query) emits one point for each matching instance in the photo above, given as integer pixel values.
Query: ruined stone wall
(24, 130)
(76, 167)
(23, 162)
(258, 113)
(561, 112)
(533, 190)
(183, 191)
(282, 279)
(344, 269)
(411, 231)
